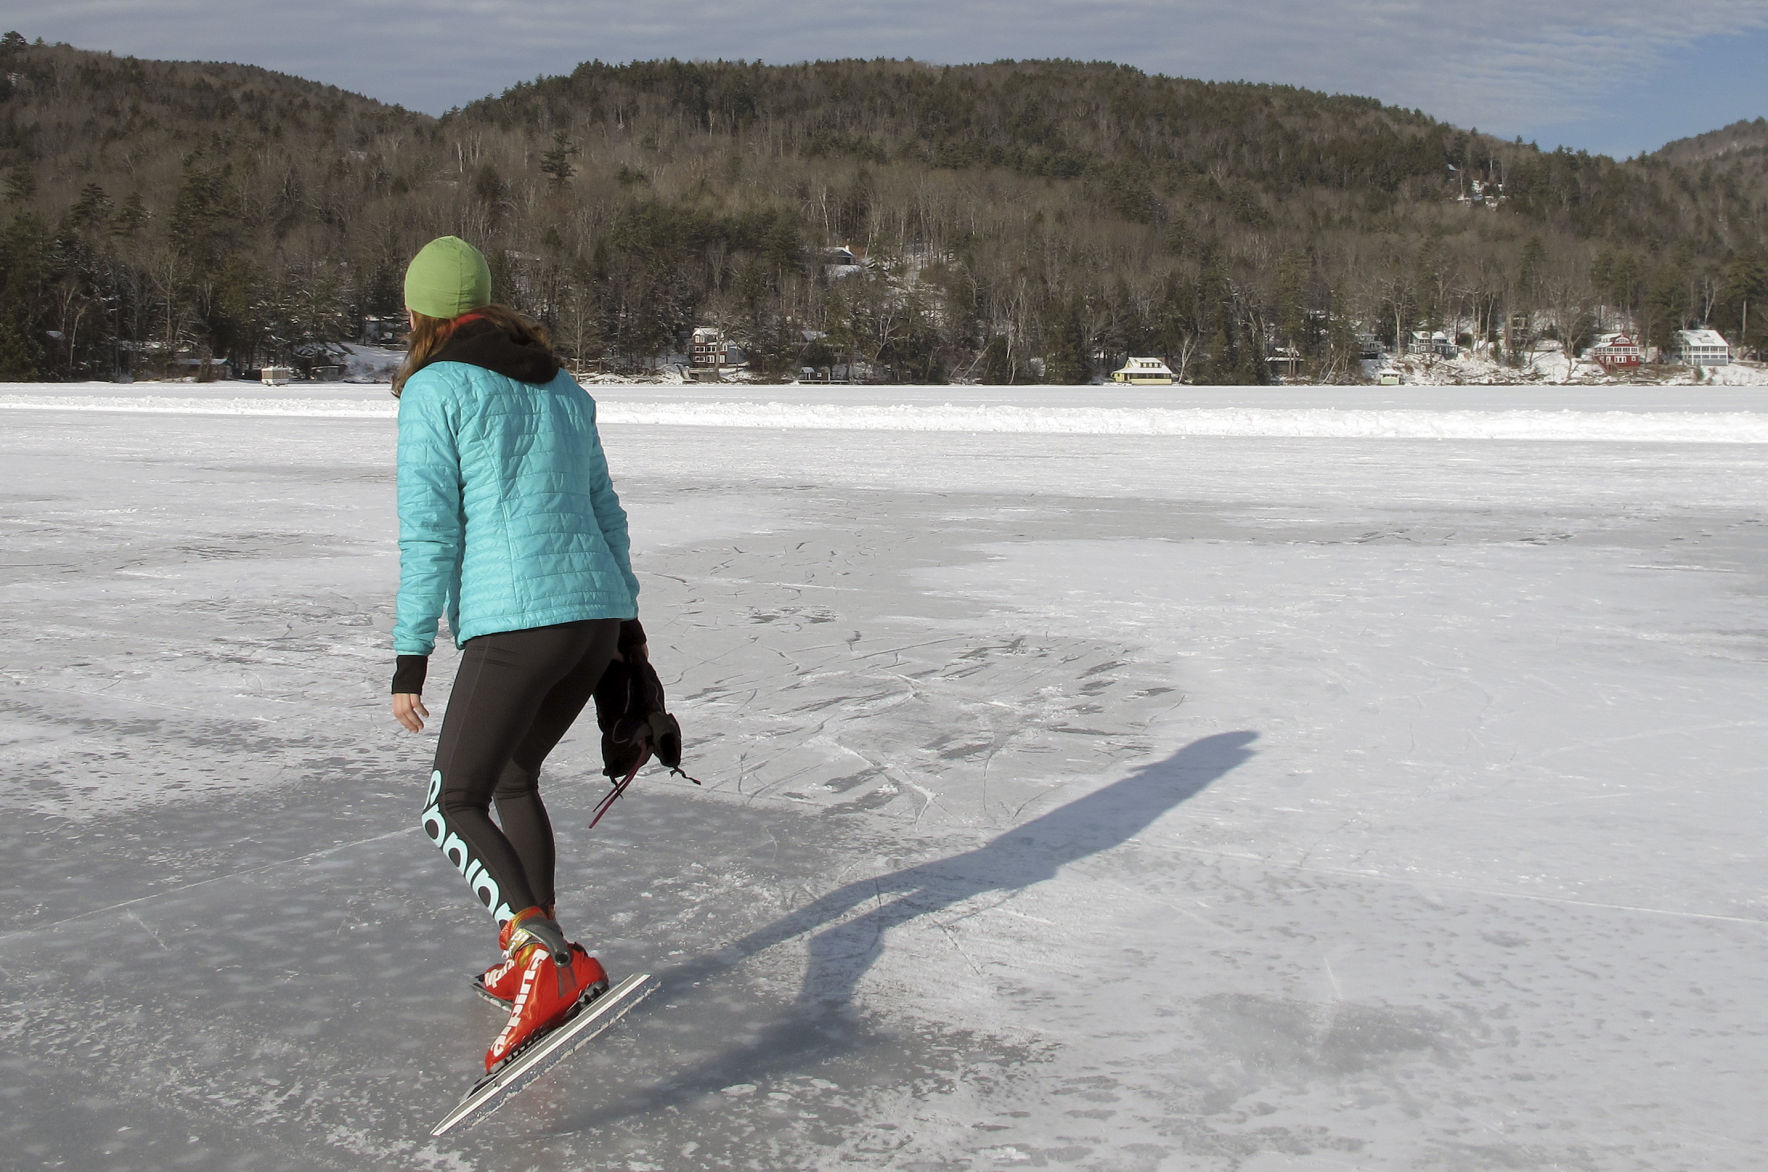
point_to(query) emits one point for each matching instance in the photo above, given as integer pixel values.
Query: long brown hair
(430, 334)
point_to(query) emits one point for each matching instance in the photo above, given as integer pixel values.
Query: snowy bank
(1251, 423)
(1552, 367)
(921, 409)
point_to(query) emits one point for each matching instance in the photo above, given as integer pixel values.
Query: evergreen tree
(556, 163)
(1742, 313)
(1066, 358)
(24, 279)
(1665, 306)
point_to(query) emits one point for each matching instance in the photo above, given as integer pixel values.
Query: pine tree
(556, 163)
(24, 277)
(1066, 361)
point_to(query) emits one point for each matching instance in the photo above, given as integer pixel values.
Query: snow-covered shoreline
(1657, 416)
(1552, 367)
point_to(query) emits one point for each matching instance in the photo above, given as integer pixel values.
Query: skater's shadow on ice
(841, 949)
(842, 953)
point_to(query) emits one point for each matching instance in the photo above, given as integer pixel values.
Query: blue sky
(1619, 79)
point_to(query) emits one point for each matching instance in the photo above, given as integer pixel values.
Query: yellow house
(1143, 372)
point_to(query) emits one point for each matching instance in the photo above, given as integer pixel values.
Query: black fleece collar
(478, 342)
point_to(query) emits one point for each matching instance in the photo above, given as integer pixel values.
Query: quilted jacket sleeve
(431, 525)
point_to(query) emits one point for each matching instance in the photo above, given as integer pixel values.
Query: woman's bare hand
(409, 710)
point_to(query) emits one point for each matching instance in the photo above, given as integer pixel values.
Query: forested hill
(1747, 139)
(1014, 220)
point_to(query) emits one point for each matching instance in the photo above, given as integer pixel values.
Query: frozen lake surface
(1198, 779)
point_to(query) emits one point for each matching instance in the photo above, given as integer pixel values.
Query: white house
(1699, 348)
(1434, 342)
(1143, 372)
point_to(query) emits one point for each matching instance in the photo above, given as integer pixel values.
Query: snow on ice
(1211, 778)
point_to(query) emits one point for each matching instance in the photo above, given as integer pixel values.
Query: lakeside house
(1618, 351)
(710, 352)
(1150, 372)
(204, 370)
(1699, 348)
(1434, 342)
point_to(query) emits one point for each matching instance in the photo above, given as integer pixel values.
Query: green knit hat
(448, 277)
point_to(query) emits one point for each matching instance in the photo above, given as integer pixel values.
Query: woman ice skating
(508, 523)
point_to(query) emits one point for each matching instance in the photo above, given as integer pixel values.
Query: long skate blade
(495, 1089)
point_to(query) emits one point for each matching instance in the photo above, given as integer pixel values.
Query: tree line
(1017, 221)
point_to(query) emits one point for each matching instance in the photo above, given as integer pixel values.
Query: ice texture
(1360, 794)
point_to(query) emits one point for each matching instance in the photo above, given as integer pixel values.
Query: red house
(1617, 352)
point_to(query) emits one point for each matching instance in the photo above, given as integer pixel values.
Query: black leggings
(515, 696)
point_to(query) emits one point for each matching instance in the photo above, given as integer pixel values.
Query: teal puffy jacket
(507, 518)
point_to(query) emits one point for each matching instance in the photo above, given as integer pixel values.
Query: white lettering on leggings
(455, 847)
